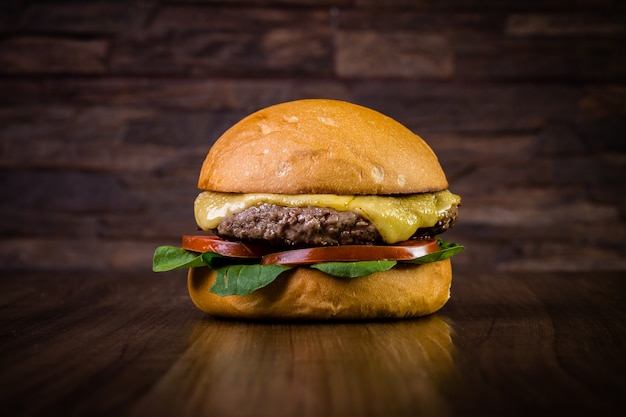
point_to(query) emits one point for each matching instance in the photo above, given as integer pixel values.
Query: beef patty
(311, 226)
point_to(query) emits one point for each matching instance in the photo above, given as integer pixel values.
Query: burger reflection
(390, 368)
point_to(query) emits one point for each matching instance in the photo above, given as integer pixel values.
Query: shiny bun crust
(308, 294)
(321, 146)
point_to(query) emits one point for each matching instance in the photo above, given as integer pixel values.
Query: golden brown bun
(321, 146)
(309, 294)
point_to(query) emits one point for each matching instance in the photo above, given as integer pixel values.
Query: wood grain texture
(107, 110)
(78, 344)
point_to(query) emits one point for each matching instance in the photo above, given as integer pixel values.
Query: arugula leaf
(168, 258)
(354, 269)
(245, 279)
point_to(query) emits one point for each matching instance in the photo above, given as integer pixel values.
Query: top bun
(321, 147)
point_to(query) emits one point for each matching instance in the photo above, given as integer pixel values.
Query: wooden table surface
(91, 344)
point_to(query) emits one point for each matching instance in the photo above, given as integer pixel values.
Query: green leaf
(168, 258)
(244, 279)
(214, 260)
(353, 269)
(446, 250)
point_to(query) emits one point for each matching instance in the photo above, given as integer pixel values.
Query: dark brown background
(107, 109)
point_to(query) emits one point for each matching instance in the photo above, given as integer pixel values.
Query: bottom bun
(308, 294)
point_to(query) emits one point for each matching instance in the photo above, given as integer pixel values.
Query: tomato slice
(402, 251)
(200, 243)
(351, 253)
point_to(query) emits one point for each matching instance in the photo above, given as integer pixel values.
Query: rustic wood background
(107, 109)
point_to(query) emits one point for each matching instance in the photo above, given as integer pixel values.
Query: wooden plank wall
(107, 109)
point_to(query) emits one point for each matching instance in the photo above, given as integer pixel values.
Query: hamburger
(318, 209)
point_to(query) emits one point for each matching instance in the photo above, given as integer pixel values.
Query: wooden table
(527, 344)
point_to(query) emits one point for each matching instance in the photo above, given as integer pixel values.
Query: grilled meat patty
(311, 226)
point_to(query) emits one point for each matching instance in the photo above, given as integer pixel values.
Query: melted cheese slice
(397, 218)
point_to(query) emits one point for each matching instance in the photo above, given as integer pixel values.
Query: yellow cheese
(396, 217)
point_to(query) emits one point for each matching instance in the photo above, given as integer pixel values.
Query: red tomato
(199, 243)
(403, 251)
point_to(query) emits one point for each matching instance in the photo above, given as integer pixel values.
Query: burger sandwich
(318, 209)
